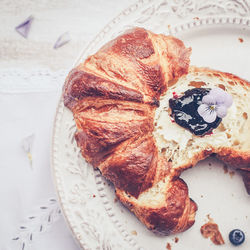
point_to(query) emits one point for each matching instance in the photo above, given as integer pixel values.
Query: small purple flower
(214, 104)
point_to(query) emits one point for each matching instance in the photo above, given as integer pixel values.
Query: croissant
(114, 96)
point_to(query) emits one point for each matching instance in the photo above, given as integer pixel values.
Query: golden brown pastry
(114, 96)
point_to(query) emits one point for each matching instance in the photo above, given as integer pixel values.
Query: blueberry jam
(185, 114)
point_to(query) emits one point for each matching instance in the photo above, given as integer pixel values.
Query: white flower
(214, 104)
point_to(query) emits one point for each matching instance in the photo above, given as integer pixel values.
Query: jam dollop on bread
(184, 111)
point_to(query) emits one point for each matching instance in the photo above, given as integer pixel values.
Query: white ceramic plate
(214, 30)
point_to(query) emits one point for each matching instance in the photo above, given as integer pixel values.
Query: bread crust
(113, 96)
(175, 214)
(220, 74)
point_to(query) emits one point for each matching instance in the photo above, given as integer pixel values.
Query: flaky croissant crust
(113, 96)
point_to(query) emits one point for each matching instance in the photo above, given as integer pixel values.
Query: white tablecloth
(29, 213)
(30, 217)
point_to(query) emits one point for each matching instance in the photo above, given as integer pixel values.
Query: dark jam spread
(185, 114)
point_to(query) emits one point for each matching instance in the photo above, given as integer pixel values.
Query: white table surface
(83, 19)
(31, 76)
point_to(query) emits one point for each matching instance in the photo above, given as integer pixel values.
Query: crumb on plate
(211, 230)
(133, 232)
(168, 246)
(241, 40)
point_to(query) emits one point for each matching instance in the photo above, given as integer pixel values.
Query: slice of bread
(230, 141)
